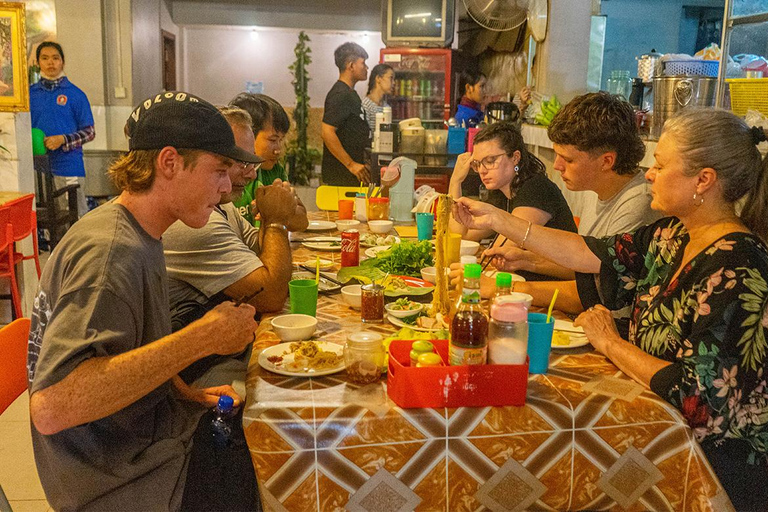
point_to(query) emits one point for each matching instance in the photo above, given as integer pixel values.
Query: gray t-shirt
(203, 262)
(103, 293)
(626, 211)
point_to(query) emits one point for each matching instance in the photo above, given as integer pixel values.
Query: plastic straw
(552, 304)
(317, 269)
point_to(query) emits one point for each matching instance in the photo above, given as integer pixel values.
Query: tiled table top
(588, 438)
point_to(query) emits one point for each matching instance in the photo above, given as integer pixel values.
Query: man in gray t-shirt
(597, 148)
(112, 424)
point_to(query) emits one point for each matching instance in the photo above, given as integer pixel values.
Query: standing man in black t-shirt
(345, 131)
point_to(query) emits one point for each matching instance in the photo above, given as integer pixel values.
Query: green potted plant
(299, 156)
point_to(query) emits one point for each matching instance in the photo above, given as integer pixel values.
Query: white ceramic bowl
(429, 274)
(469, 248)
(351, 295)
(399, 313)
(517, 297)
(380, 226)
(294, 327)
(343, 224)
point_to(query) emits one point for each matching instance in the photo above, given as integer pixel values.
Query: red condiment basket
(452, 386)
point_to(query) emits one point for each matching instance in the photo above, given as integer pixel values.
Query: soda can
(350, 248)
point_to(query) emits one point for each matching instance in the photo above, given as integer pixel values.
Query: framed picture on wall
(14, 89)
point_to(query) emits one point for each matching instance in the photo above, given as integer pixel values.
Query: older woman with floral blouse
(696, 282)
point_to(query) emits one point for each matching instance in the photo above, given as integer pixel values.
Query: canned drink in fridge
(350, 248)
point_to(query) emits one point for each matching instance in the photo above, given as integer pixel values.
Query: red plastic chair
(13, 364)
(8, 260)
(24, 222)
(13, 369)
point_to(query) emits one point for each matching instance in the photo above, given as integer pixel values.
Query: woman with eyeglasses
(696, 283)
(518, 183)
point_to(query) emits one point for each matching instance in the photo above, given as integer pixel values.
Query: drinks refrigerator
(426, 80)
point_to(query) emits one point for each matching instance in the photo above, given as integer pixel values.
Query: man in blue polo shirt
(63, 113)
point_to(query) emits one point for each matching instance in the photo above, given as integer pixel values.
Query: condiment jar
(378, 208)
(364, 357)
(429, 359)
(372, 303)
(418, 348)
(508, 333)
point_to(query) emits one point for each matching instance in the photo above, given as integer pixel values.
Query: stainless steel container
(671, 94)
(649, 66)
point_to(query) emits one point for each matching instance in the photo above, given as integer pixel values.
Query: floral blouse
(711, 322)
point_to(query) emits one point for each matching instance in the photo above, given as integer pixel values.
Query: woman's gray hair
(718, 139)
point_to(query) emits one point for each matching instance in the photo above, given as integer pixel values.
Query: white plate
(575, 334)
(323, 243)
(399, 323)
(282, 348)
(324, 264)
(321, 225)
(374, 251)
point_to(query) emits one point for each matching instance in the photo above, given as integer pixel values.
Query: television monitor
(418, 22)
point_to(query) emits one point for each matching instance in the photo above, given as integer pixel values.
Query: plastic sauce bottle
(508, 333)
(503, 286)
(220, 426)
(469, 327)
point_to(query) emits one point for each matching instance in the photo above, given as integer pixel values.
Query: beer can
(350, 248)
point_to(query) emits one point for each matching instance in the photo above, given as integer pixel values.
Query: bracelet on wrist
(525, 237)
(277, 225)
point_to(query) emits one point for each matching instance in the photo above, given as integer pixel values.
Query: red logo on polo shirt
(61, 99)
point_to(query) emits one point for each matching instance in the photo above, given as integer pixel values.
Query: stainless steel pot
(671, 94)
(499, 111)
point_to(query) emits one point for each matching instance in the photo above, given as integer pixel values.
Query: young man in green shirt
(270, 124)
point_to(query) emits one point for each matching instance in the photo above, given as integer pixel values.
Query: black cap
(183, 121)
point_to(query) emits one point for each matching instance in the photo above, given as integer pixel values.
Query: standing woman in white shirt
(380, 83)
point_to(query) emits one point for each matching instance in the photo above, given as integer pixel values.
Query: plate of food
(420, 322)
(396, 286)
(321, 225)
(376, 240)
(324, 264)
(372, 252)
(323, 243)
(567, 335)
(303, 359)
(403, 307)
(323, 286)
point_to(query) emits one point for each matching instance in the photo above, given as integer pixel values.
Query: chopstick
(248, 298)
(324, 276)
(490, 246)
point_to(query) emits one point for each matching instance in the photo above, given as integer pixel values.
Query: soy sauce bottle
(469, 327)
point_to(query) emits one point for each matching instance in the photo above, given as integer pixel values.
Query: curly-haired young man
(597, 148)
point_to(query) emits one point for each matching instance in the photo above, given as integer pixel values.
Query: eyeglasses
(489, 163)
(248, 166)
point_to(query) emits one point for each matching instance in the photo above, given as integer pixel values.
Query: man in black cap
(112, 422)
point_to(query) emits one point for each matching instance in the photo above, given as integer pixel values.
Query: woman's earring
(700, 199)
(517, 168)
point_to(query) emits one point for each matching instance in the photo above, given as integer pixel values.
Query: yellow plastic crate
(748, 94)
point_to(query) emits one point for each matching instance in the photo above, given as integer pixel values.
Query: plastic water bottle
(220, 426)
